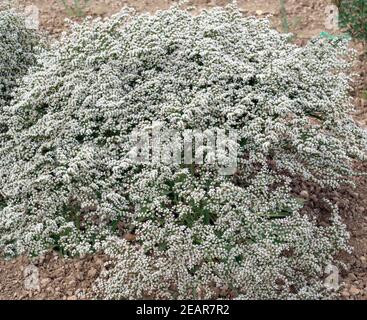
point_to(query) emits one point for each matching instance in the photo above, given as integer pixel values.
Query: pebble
(352, 277)
(45, 282)
(99, 261)
(304, 194)
(354, 291)
(72, 283)
(92, 273)
(360, 209)
(345, 294)
(79, 265)
(354, 194)
(80, 276)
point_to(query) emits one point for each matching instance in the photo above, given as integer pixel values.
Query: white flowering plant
(173, 230)
(17, 51)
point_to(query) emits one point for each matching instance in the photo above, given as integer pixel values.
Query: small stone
(360, 209)
(345, 294)
(352, 277)
(45, 282)
(31, 278)
(99, 261)
(259, 12)
(80, 276)
(49, 289)
(92, 273)
(72, 283)
(354, 291)
(304, 194)
(79, 265)
(354, 194)
(72, 298)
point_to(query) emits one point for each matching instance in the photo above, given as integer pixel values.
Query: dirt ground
(72, 279)
(306, 17)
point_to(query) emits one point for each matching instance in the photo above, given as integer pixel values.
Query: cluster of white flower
(17, 51)
(204, 238)
(176, 230)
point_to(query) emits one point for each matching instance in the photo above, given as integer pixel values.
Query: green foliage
(334, 37)
(353, 18)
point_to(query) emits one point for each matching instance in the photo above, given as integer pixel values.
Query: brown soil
(58, 278)
(306, 17)
(72, 278)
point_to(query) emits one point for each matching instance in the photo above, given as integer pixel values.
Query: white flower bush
(17, 51)
(172, 230)
(204, 238)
